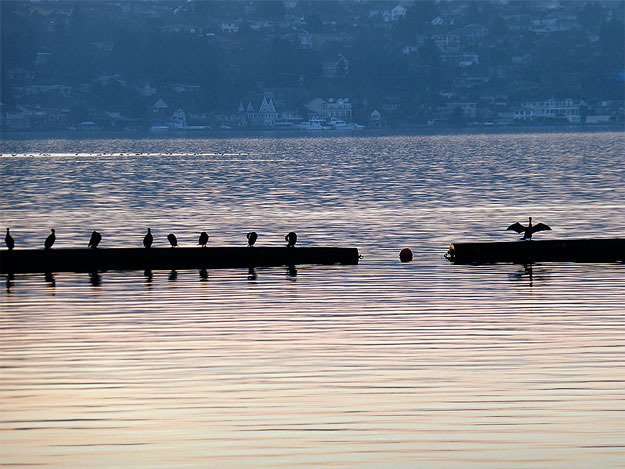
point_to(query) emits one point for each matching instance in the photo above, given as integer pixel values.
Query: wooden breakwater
(92, 260)
(526, 252)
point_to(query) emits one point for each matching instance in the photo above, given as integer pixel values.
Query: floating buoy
(405, 255)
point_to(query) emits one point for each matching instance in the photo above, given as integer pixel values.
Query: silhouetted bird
(95, 240)
(251, 238)
(49, 240)
(8, 239)
(172, 240)
(148, 239)
(528, 230)
(203, 239)
(291, 239)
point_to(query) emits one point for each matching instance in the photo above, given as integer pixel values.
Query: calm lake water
(383, 364)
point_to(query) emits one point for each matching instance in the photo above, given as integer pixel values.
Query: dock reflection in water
(383, 364)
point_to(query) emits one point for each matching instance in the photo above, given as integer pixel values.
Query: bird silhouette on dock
(148, 239)
(50, 240)
(172, 240)
(291, 239)
(8, 239)
(251, 238)
(95, 240)
(203, 239)
(528, 230)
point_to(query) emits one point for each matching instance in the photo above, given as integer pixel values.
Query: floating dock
(93, 260)
(527, 252)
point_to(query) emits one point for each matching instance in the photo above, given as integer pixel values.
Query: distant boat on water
(313, 124)
(335, 123)
(340, 124)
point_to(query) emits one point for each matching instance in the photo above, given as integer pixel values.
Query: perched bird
(172, 240)
(203, 239)
(251, 238)
(291, 239)
(148, 239)
(8, 239)
(95, 240)
(49, 240)
(528, 230)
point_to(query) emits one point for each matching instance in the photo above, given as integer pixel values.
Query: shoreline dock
(527, 252)
(92, 260)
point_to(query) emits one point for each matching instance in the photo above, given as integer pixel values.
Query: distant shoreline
(234, 134)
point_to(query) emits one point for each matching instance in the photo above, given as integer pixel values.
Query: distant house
(146, 90)
(20, 74)
(180, 29)
(398, 12)
(339, 109)
(229, 28)
(471, 31)
(178, 120)
(467, 110)
(42, 58)
(552, 109)
(265, 116)
(465, 59)
(32, 90)
(335, 68)
(159, 106)
(409, 50)
(438, 21)
(376, 121)
(305, 41)
(180, 88)
(521, 113)
(451, 41)
(259, 24)
(598, 119)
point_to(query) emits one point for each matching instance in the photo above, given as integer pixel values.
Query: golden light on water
(411, 365)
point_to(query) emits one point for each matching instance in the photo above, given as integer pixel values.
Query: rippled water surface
(383, 364)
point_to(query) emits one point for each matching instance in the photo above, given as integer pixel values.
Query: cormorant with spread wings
(528, 230)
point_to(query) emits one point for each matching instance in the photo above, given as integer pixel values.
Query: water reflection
(420, 364)
(95, 279)
(10, 282)
(529, 273)
(291, 272)
(173, 275)
(50, 279)
(203, 275)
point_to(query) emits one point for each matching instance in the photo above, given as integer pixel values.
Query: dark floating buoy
(148, 239)
(405, 255)
(8, 239)
(49, 240)
(528, 230)
(172, 240)
(251, 238)
(203, 239)
(95, 240)
(291, 239)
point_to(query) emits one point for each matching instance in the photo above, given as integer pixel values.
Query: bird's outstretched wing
(540, 227)
(517, 227)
